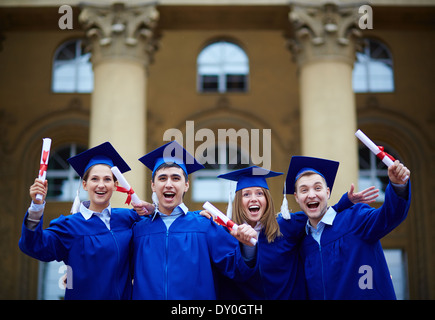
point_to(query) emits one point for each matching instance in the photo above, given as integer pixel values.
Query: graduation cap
(300, 164)
(171, 152)
(250, 177)
(104, 153)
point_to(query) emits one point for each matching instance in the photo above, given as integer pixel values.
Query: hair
(307, 173)
(165, 165)
(86, 174)
(268, 220)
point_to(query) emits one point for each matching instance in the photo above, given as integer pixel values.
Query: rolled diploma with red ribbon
(228, 223)
(375, 149)
(124, 183)
(45, 153)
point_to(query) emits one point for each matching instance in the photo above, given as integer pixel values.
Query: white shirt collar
(181, 207)
(328, 218)
(87, 214)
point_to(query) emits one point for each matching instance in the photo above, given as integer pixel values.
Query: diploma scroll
(125, 186)
(387, 159)
(45, 153)
(223, 219)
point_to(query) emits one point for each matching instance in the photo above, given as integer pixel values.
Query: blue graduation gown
(98, 257)
(280, 272)
(350, 251)
(177, 263)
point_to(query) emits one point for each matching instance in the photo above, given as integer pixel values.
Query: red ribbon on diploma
(44, 166)
(383, 154)
(228, 225)
(129, 192)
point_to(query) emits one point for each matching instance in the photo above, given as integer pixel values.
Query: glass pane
(373, 69)
(72, 69)
(397, 265)
(236, 82)
(210, 83)
(63, 181)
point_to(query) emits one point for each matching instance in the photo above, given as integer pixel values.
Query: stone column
(323, 46)
(122, 43)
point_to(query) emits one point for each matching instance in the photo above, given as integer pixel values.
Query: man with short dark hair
(174, 250)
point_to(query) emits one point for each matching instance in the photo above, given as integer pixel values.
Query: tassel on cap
(76, 204)
(155, 200)
(284, 207)
(230, 203)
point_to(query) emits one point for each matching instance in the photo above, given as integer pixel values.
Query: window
(72, 69)
(373, 172)
(398, 266)
(62, 179)
(50, 284)
(222, 67)
(207, 187)
(373, 70)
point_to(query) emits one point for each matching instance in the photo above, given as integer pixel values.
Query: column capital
(118, 31)
(324, 30)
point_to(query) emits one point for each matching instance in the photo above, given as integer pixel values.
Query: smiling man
(337, 246)
(175, 251)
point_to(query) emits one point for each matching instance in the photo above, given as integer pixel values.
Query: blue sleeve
(343, 204)
(377, 223)
(45, 245)
(226, 254)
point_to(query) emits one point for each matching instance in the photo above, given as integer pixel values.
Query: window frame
(222, 76)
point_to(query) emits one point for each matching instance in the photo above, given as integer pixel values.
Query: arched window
(373, 70)
(373, 172)
(222, 67)
(62, 179)
(72, 69)
(207, 187)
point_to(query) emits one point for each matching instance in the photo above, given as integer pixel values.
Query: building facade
(238, 82)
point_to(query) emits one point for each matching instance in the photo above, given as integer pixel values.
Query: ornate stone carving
(324, 30)
(120, 31)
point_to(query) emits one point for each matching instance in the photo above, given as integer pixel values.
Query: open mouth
(313, 204)
(100, 192)
(254, 209)
(169, 195)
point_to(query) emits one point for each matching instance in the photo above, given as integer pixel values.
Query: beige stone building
(253, 82)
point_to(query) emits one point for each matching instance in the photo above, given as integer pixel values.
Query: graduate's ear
(186, 186)
(328, 192)
(84, 185)
(296, 197)
(153, 187)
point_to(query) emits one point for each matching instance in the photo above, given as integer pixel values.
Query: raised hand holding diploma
(38, 190)
(223, 220)
(387, 159)
(45, 153)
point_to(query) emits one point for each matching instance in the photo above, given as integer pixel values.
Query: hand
(38, 187)
(244, 233)
(368, 195)
(143, 208)
(398, 172)
(206, 214)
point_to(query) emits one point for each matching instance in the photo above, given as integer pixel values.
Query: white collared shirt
(104, 215)
(327, 219)
(169, 219)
